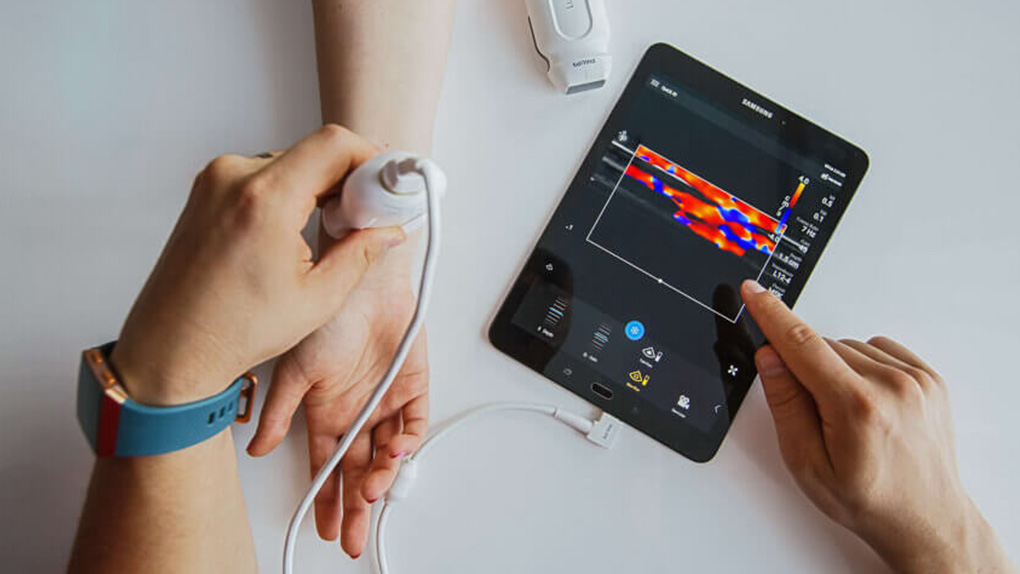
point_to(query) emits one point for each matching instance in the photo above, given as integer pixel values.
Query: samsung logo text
(749, 104)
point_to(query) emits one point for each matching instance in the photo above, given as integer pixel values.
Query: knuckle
(219, 176)
(906, 384)
(863, 407)
(922, 378)
(909, 394)
(335, 133)
(901, 380)
(248, 202)
(366, 256)
(254, 189)
(783, 400)
(222, 167)
(800, 335)
(878, 340)
(870, 418)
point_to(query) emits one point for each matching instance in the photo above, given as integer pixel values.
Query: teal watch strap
(117, 426)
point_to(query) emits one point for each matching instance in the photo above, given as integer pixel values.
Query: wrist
(162, 377)
(393, 268)
(965, 542)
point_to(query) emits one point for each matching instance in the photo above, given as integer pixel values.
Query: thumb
(798, 424)
(341, 267)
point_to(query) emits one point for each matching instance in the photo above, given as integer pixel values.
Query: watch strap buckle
(246, 400)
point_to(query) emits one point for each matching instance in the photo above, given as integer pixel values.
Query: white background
(107, 109)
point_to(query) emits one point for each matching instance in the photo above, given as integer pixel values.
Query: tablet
(631, 299)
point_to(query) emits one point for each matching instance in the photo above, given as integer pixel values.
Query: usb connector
(601, 432)
(604, 432)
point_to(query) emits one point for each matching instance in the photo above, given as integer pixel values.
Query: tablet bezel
(789, 128)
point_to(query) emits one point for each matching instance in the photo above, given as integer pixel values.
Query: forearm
(381, 67)
(178, 512)
(246, 291)
(965, 544)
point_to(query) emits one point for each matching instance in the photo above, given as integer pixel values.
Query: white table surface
(108, 108)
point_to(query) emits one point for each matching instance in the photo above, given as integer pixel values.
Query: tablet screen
(630, 297)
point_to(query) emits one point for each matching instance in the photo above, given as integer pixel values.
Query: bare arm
(381, 66)
(380, 73)
(235, 286)
(179, 512)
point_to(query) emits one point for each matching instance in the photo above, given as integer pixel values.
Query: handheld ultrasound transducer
(572, 36)
(392, 189)
(387, 190)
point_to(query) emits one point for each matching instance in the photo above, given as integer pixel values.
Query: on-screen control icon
(634, 330)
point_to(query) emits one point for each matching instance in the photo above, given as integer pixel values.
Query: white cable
(601, 432)
(431, 174)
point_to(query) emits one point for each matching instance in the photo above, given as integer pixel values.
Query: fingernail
(770, 364)
(374, 500)
(356, 556)
(396, 239)
(398, 454)
(753, 286)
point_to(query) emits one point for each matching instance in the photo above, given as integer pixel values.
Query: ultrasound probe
(401, 189)
(391, 189)
(572, 36)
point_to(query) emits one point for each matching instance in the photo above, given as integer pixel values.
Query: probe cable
(601, 432)
(431, 174)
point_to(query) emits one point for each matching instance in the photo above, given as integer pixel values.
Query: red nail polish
(398, 454)
(356, 556)
(374, 500)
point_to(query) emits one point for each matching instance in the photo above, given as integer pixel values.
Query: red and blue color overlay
(713, 214)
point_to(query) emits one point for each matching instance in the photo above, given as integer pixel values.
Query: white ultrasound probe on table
(572, 36)
(391, 189)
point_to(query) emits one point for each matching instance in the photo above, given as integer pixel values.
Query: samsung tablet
(631, 299)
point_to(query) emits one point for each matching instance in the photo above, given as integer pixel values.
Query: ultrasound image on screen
(691, 235)
(637, 276)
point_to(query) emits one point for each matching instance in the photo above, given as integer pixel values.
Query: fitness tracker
(117, 426)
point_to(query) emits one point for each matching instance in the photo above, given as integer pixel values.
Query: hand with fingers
(866, 431)
(237, 284)
(331, 375)
(333, 372)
